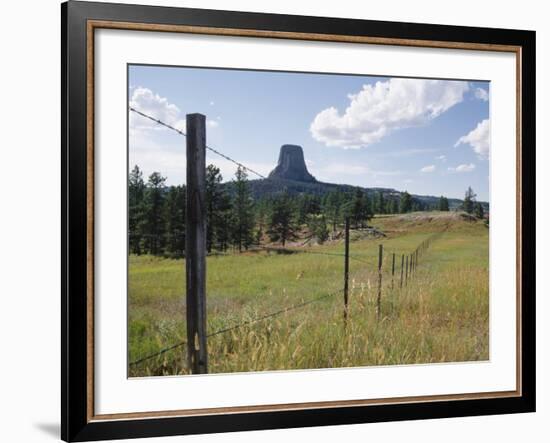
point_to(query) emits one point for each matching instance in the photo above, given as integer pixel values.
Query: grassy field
(441, 315)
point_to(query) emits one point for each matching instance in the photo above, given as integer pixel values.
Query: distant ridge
(291, 176)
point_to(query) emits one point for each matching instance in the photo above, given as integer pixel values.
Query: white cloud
(441, 158)
(379, 109)
(146, 101)
(463, 168)
(429, 168)
(482, 94)
(479, 138)
(150, 103)
(146, 150)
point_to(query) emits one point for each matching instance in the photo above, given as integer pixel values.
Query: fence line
(424, 245)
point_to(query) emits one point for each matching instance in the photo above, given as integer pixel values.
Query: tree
(282, 224)
(479, 211)
(243, 215)
(405, 205)
(154, 226)
(136, 192)
(333, 208)
(469, 200)
(262, 210)
(380, 203)
(317, 225)
(359, 208)
(308, 204)
(394, 205)
(443, 203)
(175, 220)
(217, 206)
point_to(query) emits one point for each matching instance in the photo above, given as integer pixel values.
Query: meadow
(440, 315)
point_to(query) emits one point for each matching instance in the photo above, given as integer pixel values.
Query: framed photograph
(276, 221)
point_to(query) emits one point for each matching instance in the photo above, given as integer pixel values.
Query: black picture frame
(76, 423)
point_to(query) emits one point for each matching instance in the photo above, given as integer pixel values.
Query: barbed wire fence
(409, 266)
(407, 269)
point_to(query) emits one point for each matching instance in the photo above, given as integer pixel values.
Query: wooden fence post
(378, 300)
(195, 244)
(346, 269)
(392, 269)
(406, 269)
(402, 263)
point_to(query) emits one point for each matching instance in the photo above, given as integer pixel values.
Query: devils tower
(291, 165)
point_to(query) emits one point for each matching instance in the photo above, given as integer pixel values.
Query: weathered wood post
(378, 300)
(346, 269)
(392, 269)
(195, 244)
(406, 269)
(402, 266)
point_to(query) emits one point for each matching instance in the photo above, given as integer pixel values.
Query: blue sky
(424, 136)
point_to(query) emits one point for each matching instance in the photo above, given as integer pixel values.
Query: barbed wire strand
(210, 148)
(239, 325)
(432, 237)
(306, 251)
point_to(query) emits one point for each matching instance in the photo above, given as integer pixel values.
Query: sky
(426, 136)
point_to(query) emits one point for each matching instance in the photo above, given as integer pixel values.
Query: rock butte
(291, 165)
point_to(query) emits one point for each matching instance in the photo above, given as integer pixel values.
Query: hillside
(292, 176)
(270, 186)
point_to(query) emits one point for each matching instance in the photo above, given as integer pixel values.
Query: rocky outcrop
(291, 165)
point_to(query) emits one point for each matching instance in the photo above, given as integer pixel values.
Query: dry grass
(441, 315)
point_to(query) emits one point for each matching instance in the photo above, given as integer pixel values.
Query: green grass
(441, 315)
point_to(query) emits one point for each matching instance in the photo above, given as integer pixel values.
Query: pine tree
(261, 219)
(136, 193)
(317, 225)
(469, 200)
(175, 221)
(479, 211)
(308, 204)
(405, 203)
(381, 203)
(333, 208)
(443, 204)
(217, 205)
(394, 205)
(243, 215)
(359, 208)
(154, 225)
(282, 223)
